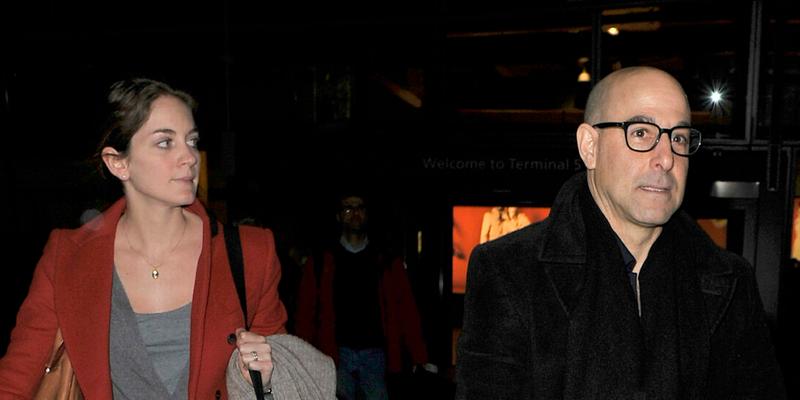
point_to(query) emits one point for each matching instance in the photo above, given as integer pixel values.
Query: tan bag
(59, 381)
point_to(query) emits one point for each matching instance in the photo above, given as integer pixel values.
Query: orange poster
(473, 225)
(796, 228)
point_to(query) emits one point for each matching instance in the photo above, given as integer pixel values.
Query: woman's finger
(254, 354)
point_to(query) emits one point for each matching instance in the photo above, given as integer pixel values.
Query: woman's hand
(254, 354)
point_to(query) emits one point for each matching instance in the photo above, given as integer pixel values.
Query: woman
(143, 294)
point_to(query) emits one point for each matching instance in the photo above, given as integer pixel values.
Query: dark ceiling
(315, 90)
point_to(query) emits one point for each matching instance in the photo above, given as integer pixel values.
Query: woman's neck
(153, 229)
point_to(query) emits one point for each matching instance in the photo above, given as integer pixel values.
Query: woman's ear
(587, 144)
(116, 163)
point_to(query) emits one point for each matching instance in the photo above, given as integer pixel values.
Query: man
(617, 295)
(357, 307)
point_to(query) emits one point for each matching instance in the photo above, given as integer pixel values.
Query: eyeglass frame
(661, 131)
(350, 210)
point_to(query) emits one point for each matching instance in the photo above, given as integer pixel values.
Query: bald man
(617, 294)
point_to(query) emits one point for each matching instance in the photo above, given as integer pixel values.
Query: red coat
(399, 315)
(71, 290)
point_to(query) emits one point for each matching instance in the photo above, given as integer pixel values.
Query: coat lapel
(715, 278)
(200, 303)
(563, 253)
(717, 288)
(84, 314)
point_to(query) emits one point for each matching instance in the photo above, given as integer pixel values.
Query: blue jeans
(363, 369)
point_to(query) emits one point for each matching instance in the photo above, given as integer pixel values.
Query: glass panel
(780, 74)
(794, 244)
(519, 73)
(703, 46)
(717, 230)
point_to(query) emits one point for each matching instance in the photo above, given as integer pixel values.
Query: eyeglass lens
(643, 136)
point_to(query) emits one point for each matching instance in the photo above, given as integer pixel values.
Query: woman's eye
(164, 144)
(192, 142)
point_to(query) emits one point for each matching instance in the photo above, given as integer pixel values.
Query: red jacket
(401, 322)
(71, 290)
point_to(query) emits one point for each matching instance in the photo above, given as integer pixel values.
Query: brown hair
(129, 105)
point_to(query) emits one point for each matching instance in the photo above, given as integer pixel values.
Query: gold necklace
(153, 265)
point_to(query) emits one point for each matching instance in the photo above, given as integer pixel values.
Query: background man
(357, 307)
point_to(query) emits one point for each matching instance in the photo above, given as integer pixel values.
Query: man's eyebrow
(641, 118)
(646, 118)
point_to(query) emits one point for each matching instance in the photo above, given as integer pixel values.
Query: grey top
(149, 353)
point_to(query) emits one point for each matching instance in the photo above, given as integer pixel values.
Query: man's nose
(663, 157)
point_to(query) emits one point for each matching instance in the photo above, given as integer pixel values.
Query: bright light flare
(717, 98)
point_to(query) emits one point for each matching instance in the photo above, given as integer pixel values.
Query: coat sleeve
(411, 325)
(743, 363)
(22, 367)
(492, 351)
(269, 317)
(304, 318)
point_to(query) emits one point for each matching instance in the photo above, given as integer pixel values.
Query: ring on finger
(255, 355)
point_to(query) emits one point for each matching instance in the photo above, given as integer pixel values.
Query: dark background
(298, 101)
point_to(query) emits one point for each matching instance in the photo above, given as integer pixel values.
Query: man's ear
(116, 163)
(587, 144)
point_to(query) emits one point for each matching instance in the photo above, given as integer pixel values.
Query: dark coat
(525, 335)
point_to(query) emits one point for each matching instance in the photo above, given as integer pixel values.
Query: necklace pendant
(154, 274)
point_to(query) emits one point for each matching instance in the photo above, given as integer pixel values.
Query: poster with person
(473, 225)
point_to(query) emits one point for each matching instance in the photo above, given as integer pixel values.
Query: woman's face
(163, 161)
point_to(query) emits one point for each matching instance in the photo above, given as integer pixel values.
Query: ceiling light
(584, 76)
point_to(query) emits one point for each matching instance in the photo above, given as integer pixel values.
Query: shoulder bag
(59, 381)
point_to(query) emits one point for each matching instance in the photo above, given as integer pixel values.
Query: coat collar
(565, 231)
(82, 297)
(564, 247)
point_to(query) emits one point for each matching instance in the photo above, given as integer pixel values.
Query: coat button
(232, 338)
(218, 395)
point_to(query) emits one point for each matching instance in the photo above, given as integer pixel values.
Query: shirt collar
(353, 249)
(627, 257)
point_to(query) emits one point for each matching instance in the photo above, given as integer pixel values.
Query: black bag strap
(233, 244)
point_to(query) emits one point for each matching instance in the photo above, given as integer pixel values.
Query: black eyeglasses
(644, 136)
(351, 209)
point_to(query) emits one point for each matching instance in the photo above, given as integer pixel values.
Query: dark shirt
(629, 262)
(356, 298)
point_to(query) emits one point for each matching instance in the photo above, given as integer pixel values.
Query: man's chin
(655, 220)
